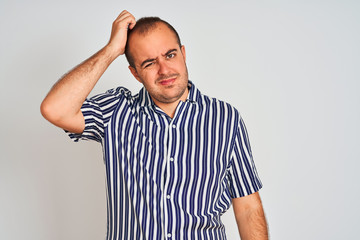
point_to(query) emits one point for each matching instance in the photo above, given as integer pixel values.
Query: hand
(119, 30)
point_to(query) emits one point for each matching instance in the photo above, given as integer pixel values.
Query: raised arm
(62, 104)
(250, 217)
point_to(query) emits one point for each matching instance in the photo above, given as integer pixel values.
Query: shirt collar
(193, 96)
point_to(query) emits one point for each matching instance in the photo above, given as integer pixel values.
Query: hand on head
(119, 30)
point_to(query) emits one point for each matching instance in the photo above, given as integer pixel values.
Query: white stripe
(143, 120)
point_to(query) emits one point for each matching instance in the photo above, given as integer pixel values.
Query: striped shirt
(169, 178)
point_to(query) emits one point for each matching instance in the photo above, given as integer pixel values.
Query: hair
(143, 26)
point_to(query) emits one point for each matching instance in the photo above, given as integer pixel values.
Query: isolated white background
(290, 67)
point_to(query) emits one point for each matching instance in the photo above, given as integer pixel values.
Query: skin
(250, 217)
(62, 104)
(160, 65)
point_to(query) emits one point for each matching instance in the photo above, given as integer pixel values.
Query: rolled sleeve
(94, 123)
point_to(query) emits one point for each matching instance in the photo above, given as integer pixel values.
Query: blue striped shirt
(169, 178)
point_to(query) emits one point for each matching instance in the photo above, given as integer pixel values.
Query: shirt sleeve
(94, 124)
(97, 111)
(244, 179)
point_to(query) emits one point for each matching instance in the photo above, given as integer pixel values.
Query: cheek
(180, 63)
(149, 75)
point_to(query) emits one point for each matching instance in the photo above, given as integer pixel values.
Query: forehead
(155, 42)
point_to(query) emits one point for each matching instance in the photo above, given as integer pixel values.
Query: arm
(62, 104)
(250, 217)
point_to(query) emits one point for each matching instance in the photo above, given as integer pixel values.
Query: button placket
(167, 195)
(168, 162)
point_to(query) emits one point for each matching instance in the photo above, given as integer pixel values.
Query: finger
(132, 23)
(122, 14)
(125, 16)
(127, 21)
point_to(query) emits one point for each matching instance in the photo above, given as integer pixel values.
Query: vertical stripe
(166, 182)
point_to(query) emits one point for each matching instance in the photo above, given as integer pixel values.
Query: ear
(183, 52)
(135, 74)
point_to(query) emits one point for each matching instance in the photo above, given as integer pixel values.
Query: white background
(290, 67)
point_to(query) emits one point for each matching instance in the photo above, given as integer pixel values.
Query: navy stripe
(169, 178)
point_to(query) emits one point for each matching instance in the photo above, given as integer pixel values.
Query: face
(160, 64)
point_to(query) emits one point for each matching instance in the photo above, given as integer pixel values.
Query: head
(157, 59)
(142, 27)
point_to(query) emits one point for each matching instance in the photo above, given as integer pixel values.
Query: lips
(167, 81)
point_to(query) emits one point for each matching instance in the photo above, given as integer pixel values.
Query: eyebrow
(153, 59)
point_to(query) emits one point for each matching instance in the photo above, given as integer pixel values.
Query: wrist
(112, 51)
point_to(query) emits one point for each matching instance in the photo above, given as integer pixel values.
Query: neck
(170, 108)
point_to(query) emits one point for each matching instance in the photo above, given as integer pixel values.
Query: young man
(175, 159)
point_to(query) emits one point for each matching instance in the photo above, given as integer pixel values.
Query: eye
(149, 64)
(171, 55)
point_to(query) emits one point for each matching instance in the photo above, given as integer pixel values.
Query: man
(175, 159)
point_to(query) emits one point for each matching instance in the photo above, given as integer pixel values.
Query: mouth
(167, 81)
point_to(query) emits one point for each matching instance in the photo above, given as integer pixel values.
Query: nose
(163, 67)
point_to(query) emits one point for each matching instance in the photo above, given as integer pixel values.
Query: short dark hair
(143, 26)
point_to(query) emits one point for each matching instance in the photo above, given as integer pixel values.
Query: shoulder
(221, 105)
(112, 95)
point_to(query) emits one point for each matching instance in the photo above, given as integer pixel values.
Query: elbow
(48, 112)
(45, 109)
(55, 115)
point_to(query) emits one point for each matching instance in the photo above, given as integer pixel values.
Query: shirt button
(171, 159)
(174, 126)
(168, 196)
(169, 235)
